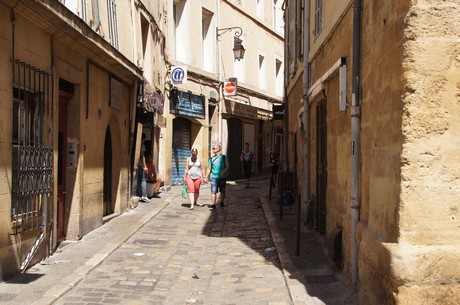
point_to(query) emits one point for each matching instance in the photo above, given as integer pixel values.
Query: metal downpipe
(355, 137)
(306, 105)
(284, 149)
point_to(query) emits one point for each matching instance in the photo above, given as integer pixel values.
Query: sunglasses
(214, 148)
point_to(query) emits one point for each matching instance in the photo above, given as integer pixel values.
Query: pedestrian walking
(218, 167)
(274, 161)
(247, 159)
(193, 175)
(153, 176)
(140, 173)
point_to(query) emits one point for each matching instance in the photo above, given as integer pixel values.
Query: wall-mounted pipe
(355, 137)
(13, 26)
(306, 108)
(285, 95)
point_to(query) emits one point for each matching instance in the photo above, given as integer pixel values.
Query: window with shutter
(294, 14)
(291, 36)
(318, 17)
(299, 24)
(113, 23)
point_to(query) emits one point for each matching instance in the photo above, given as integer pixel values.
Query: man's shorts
(218, 185)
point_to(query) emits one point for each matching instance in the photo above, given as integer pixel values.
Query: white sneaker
(145, 199)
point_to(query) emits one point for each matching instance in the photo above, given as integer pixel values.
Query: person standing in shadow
(247, 159)
(275, 162)
(140, 173)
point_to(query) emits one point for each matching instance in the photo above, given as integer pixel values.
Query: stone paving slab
(162, 253)
(197, 257)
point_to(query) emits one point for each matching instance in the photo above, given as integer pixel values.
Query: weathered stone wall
(294, 105)
(34, 49)
(427, 255)
(381, 146)
(6, 122)
(408, 233)
(337, 46)
(93, 131)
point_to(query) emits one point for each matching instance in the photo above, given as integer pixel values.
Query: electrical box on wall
(72, 154)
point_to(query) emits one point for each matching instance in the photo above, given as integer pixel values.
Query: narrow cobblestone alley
(201, 257)
(163, 253)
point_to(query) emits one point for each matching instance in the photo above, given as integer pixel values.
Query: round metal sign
(230, 88)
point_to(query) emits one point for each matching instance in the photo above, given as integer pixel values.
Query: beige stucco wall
(333, 12)
(258, 38)
(335, 45)
(93, 130)
(148, 46)
(71, 67)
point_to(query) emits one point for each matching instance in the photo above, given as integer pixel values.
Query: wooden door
(107, 187)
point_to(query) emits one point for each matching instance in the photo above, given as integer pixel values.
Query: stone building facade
(376, 107)
(200, 39)
(82, 80)
(68, 97)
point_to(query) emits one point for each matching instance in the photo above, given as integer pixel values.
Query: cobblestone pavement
(163, 253)
(192, 257)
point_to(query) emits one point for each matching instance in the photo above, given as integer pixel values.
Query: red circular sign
(230, 88)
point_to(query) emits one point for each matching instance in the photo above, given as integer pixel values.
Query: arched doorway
(234, 147)
(107, 196)
(182, 132)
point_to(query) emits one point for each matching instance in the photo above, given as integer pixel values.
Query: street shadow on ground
(23, 278)
(245, 217)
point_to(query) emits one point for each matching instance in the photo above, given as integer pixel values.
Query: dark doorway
(107, 196)
(234, 147)
(62, 165)
(321, 166)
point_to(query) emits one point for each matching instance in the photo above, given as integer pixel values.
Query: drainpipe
(284, 149)
(306, 104)
(13, 26)
(219, 64)
(355, 137)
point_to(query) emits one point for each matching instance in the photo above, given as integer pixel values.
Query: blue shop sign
(187, 104)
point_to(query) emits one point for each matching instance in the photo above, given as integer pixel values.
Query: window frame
(319, 11)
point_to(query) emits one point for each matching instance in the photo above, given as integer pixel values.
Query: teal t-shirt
(217, 164)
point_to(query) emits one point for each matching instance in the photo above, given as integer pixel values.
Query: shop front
(188, 109)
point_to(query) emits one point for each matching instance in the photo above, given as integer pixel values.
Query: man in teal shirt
(218, 166)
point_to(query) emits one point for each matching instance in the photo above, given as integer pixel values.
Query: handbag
(184, 191)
